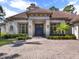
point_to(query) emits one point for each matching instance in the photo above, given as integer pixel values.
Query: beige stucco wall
(3, 29)
(75, 30)
(14, 23)
(57, 21)
(30, 28)
(31, 25)
(47, 27)
(11, 23)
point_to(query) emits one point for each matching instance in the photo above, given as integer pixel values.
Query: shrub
(28, 37)
(62, 37)
(23, 38)
(2, 34)
(70, 36)
(22, 35)
(7, 36)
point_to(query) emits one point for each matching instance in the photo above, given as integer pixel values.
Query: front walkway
(41, 48)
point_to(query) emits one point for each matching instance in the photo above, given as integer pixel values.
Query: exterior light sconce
(75, 28)
(0, 33)
(29, 26)
(47, 26)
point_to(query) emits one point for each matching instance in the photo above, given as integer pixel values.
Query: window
(53, 29)
(23, 28)
(11, 28)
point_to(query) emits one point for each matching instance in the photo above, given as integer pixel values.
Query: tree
(2, 14)
(54, 8)
(1, 9)
(69, 8)
(62, 27)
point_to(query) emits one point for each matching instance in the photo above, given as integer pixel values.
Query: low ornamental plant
(9, 36)
(20, 38)
(62, 37)
(23, 38)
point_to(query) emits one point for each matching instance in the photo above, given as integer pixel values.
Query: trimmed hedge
(62, 37)
(8, 36)
(23, 38)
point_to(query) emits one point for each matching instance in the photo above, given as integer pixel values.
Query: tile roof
(18, 16)
(75, 19)
(61, 14)
(54, 14)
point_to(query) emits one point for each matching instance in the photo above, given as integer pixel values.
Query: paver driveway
(40, 48)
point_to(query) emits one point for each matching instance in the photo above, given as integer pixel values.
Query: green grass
(4, 42)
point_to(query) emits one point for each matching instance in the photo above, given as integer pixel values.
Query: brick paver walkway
(40, 48)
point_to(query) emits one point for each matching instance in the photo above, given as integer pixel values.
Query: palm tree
(62, 27)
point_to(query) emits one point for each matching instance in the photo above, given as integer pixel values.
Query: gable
(18, 16)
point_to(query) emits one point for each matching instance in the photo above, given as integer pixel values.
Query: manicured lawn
(3, 42)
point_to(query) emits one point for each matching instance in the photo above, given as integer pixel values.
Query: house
(37, 21)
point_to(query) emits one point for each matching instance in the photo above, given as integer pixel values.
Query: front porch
(41, 27)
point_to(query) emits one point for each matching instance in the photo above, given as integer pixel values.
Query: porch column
(76, 31)
(30, 28)
(47, 27)
(15, 30)
(72, 29)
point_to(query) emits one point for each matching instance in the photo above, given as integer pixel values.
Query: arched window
(11, 28)
(0, 30)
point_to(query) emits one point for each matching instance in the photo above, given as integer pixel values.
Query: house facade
(37, 21)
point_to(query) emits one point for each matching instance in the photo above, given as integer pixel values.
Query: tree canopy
(69, 8)
(54, 8)
(1, 9)
(2, 14)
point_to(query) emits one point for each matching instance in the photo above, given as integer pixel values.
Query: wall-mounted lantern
(47, 26)
(29, 26)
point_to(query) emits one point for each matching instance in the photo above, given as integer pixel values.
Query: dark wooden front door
(39, 30)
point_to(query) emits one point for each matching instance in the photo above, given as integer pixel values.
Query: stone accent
(38, 18)
(30, 27)
(47, 26)
(76, 31)
(72, 29)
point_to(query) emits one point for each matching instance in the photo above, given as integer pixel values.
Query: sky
(12, 7)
